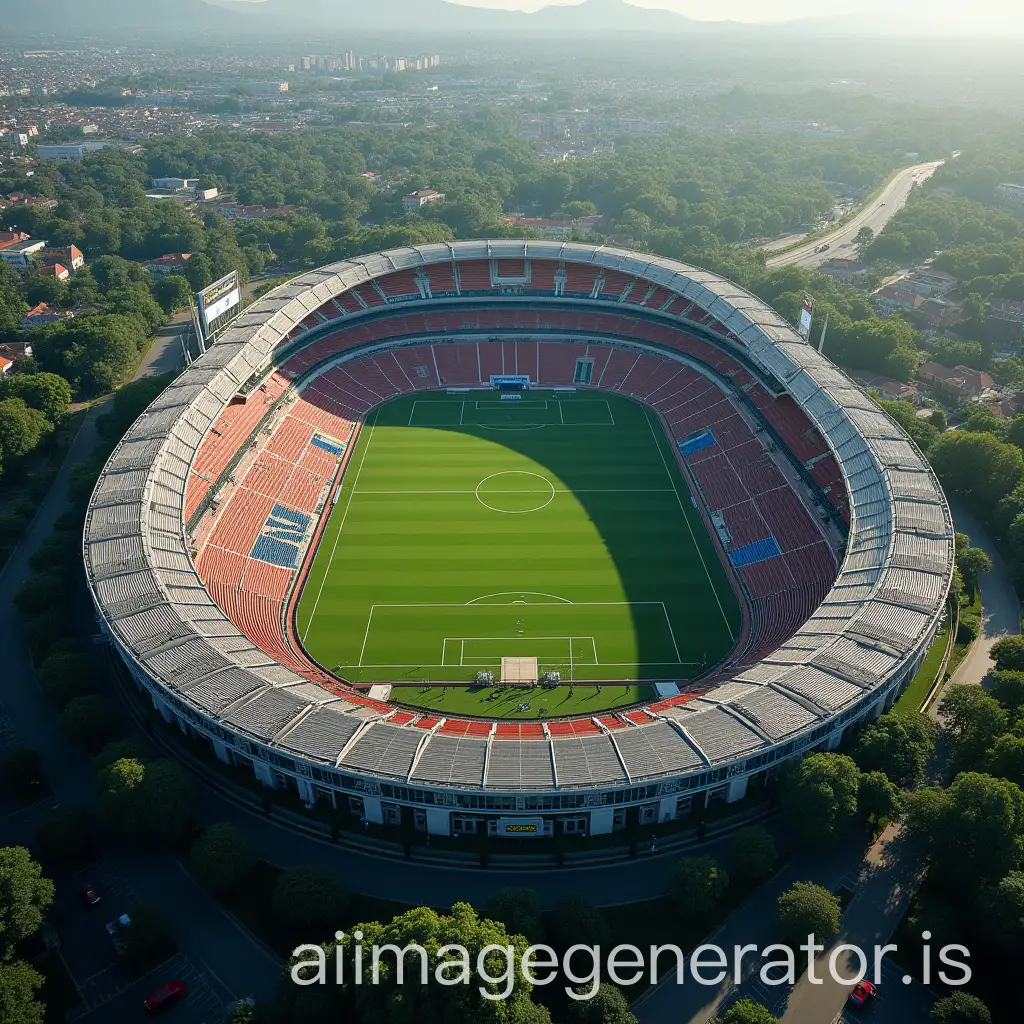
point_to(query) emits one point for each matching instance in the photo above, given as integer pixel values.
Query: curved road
(874, 215)
(1000, 606)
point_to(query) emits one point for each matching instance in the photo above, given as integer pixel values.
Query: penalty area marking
(555, 602)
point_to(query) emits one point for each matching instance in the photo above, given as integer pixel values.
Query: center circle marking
(544, 499)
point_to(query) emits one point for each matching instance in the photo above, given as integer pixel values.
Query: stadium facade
(218, 655)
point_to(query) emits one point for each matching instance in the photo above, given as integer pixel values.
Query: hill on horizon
(397, 17)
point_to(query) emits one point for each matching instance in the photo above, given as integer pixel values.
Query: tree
(697, 884)
(149, 801)
(518, 909)
(973, 720)
(751, 854)
(309, 902)
(199, 271)
(977, 466)
(65, 835)
(147, 935)
(64, 676)
(388, 1003)
(1001, 913)
(746, 1011)
(972, 561)
(607, 1006)
(21, 428)
(87, 722)
(808, 909)
(1008, 688)
(819, 796)
(973, 829)
(222, 857)
(132, 747)
(576, 921)
(25, 896)
(172, 292)
(19, 984)
(898, 745)
(41, 592)
(878, 799)
(1008, 653)
(960, 1008)
(46, 392)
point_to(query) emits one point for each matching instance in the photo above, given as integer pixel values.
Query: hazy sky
(997, 15)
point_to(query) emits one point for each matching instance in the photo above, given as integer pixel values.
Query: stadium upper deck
(849, 660)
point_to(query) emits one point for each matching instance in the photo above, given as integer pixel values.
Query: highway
(875, 215)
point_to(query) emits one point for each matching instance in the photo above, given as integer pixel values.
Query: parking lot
(110, 990)
(115, 997)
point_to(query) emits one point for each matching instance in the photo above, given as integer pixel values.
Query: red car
(89, 894)
(862, 994)
(165, 996)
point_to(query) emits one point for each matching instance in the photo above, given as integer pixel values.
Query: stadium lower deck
(771, 493)
(253, 548)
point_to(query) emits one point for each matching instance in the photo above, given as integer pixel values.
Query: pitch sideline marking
(671, 631)
(337, 537)
(686, 519)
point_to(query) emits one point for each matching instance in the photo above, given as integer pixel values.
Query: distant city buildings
(353, 63)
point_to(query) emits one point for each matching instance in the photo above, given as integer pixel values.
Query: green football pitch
(471, 528)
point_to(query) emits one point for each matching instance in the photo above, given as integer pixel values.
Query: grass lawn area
(959, 650)
(914, 695)
(469, 529)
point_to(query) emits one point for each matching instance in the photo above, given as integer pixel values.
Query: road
(874, 215)
(1000, 606)
(204, 933)
(881, 883)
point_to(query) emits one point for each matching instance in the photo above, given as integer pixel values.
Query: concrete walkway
(755, 922)
(1000, 606)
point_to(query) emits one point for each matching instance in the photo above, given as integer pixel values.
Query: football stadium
(516, 538)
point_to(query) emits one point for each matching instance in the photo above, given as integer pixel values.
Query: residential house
(891, 390)
(70, 256)
(1010, 192)
(5, 364)
(55, 270)
(893, 299)
(19, 254)
(928, 283)
(849, 272)
(236, 211)
(175, 184)
(424, 197)
(172, 263)
(43, 314)
(941, 312)
(960, 383)
(8, 238)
